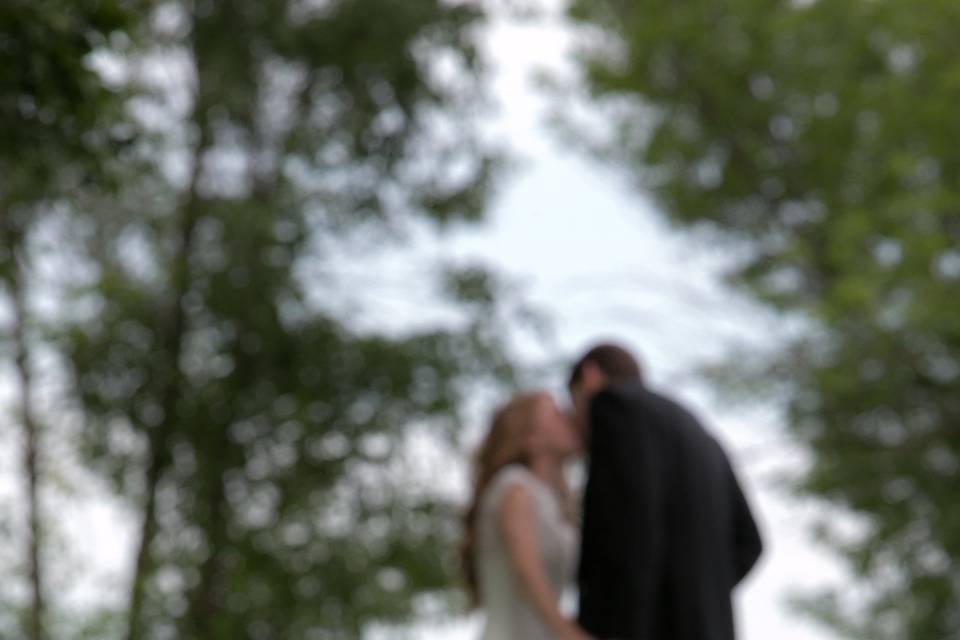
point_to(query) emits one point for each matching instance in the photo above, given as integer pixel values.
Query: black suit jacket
(667, 532)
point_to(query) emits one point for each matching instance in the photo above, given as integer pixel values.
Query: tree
(820, 136)
(249, 422)
(54, 111)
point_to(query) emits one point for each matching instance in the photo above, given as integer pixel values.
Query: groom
(667, 532)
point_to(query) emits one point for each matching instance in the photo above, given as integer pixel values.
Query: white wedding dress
(510, 613)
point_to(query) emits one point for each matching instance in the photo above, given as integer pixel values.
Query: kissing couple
(662, 534)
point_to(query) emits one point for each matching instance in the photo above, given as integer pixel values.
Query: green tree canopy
(253, 428)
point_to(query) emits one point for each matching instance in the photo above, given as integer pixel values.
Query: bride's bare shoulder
(514, 475)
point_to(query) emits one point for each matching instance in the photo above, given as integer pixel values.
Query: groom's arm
(622, 522)
(597, 607)
(747, 540)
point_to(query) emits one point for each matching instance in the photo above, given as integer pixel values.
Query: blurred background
(267, 267)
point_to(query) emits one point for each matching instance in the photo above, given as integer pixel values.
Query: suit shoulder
(626, 395)
(632, 410)
(682, 423)
(669, 409)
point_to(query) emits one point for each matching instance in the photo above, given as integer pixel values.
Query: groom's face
(582, 391)
(580, 406)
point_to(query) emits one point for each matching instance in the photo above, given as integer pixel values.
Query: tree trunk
(174, 329)
(31, 445)
(205, 601)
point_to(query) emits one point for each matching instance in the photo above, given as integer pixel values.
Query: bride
(521, 544)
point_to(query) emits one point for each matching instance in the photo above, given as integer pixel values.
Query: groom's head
(603, 365)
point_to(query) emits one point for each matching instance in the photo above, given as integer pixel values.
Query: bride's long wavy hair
(504, 445)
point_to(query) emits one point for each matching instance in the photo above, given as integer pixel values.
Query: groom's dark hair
(616, 363)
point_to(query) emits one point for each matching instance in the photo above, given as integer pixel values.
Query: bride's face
(554, 432)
